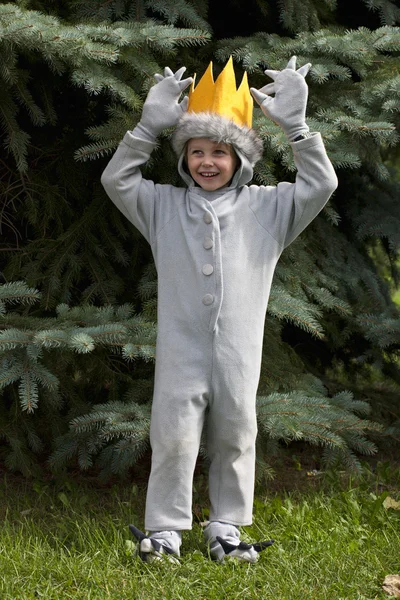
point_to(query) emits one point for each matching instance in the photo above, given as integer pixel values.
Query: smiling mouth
(209, 174)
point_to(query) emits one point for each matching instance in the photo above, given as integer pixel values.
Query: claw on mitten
(291, 65)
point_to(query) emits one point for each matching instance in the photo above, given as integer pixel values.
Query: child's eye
(219, 152)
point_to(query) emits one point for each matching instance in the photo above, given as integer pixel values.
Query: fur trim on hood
(218, 129)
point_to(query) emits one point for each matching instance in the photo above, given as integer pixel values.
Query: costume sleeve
(286, 210)
(124, 184)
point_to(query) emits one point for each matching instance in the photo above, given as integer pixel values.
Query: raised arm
(122, 178)
(285, 210)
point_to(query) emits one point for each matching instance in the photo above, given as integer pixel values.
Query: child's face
(210, 164)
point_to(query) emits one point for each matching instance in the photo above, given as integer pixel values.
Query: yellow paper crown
(222, 97)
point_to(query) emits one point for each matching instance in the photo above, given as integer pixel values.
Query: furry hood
(218, 129)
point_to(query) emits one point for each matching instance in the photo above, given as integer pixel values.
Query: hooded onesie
(215, 254)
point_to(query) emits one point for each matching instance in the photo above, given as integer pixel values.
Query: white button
(207, 218)
(207, 269)
(208, 299)
(208, 243)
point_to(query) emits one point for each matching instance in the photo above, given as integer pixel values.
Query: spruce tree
(62, 75)
(76, 358)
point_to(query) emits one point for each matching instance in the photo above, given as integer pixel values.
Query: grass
(69, 540)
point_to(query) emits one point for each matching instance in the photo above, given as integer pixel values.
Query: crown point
(222, 97)
(244, 83)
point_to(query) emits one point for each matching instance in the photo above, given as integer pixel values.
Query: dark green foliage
(76, 383)
(56, 368)
(328, 422)
(57, 72)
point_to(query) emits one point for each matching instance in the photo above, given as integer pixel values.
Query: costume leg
(231, 448)
(231, 437)
(176, 425)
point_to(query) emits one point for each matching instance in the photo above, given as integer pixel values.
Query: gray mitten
(288, 107)
(161, 108)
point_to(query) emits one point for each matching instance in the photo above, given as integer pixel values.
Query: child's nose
(207, 160)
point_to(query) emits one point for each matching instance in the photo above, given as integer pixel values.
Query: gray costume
(215, 254)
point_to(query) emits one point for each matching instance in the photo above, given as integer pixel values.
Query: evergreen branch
(34, 441)
(95, 80)
(82, 343)
(95, 151)
(25, 98)
(16, 140)
(18, 291)
(51, 338)
(46, 34)
(67, 448)
(28, 391)
(133, 351)
(388, 11)
(355, 126)
(10, 371)
(284, 306)
(176, 10)
(13, 338)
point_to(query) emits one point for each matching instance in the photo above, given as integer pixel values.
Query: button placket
(208, 269)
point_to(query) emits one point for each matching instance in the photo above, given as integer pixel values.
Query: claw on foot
(244, 552)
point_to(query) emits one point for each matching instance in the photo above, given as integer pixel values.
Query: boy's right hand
(161, 108)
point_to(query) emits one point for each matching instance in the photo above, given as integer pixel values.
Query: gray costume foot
(243, 552)
(150, 549)
(224, 541)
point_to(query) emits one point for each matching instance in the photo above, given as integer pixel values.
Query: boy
(215, 245)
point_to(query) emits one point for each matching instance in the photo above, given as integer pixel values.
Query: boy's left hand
(288, 107)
